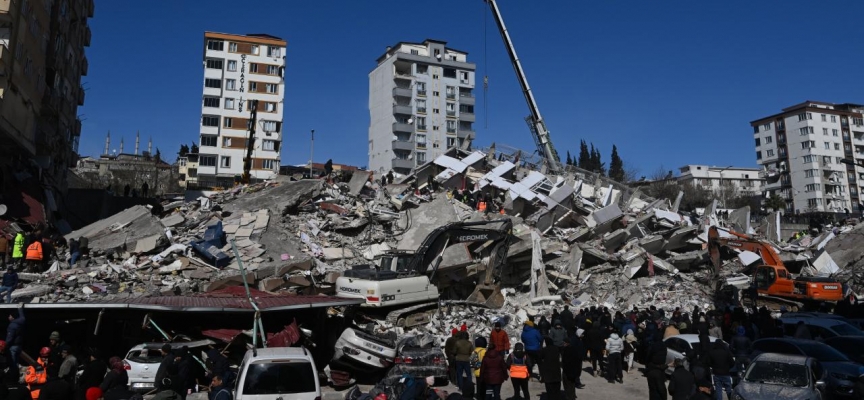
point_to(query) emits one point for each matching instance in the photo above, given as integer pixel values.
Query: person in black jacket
(15, 334)
(655, 369)
(595, 344)
(13, 389)
(55, 388)
(162, 371)
(571, 365)
(721, 361)
(550, 370)
(682, 385)
(544, 326)
(94, 372)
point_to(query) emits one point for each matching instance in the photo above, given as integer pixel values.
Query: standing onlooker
(550, 370)
(544, 326)
(595, 344)
(614, 347)
(92, 375)
(721, 361)
(218, 391)
(715, 330)
(15, 390)
(116, 377)
(5, 249)
(55, 387)
(655, 369)
(10, 282)
(450, 352)
(69, 365)
(558, 333)
(629, 349)
(533, 341)
(682, 385)
(480, 345)
(567, 319)
(519, 371)
(500, 339)
(571, 366)
(55, 343)
(463, 359)
(493, 372)
(18, 248)
(162, 371)
(15, 335)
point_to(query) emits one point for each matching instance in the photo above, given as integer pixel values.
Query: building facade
(421, 103)
(733, 181)
(239, 70)
(42, 60)
(812, 155)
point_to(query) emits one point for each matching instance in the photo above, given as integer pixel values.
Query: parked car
(680, 346)
(278, 373)
(419, 356)
(142, 362)
(841, 372)
(850, 346)
(820, 328)
(781, 376)
(364, 350)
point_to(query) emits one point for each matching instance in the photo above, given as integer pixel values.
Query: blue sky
(669, 82)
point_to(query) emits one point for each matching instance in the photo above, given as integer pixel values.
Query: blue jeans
(74, 258)
(463, 369)
(15, 352)
(496, 391)
(721, 384)
(8, 291)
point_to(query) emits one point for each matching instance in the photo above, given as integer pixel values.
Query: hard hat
(44, 352)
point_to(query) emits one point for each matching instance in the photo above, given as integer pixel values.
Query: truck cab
(389, 283)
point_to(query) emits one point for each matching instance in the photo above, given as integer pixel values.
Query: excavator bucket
(490, 295)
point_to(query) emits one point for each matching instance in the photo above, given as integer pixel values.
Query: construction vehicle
(772, 281)
(535, 121)
(405, 278)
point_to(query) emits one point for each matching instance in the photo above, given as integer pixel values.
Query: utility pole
(311, 153)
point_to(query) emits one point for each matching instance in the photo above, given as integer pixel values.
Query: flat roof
(256, 38)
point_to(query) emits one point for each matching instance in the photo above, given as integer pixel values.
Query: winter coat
(594, 339)
(18, 246)
(740, 345)
(464, 348)
(55, 389)
(162, 371)
(550, 364)
(113, 379)
(34, 251)
(682, 384)
(720, 360)
(670, 331)
(715, 332)
(15, 330)
(220, 393)
(500, 339)
(93, 373)
(571, 362)
(481, 354)
(567, 319)
(493, 371)
(657, 355)
(532, 338)
(801, 332)
(10, 279)
(68, 368)
(614, 344)
(450, 346)
(558, 335)
(544, 327)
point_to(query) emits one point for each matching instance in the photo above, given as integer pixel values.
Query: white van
(278, 373)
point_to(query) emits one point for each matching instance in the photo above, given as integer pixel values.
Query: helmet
(44, 352)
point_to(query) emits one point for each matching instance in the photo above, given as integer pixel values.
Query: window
(253, 86)
(451, 109)
(449, 72)
(805, 130)
(215, 45)
(421, 157)
(232, 65)
(836, 146)
(758, 155)
(834, 132)
(823, 118)
(826, 160)
(463, 76)
(230, 84)
(436, 93)
(812, 203)
(825, 131)
(229, 104)
(254, 49)
(858, 121)
(769, 153)
(271, 126)
(436, 111)
(833, 118)
(269, 106)
(421, 106)
(232, 47)
(766, 127)
(272, 70)
(469, 109)
(806, 116)
(211, 102)
(808, 159)
(451, 141)
(435, 127)
(421, 88)
(809, 173)
(212, 83)
(808, 144)
(434, 76)
(228, 122)
(226, 162)
(415, 52)
(451, 126)
(270, 145)
(422, 69)
(207, 161)
(421, 123)
(421, 141)
(839, 160)
(208, 140)
(213, 63)
(274, 51)
(451, 92)
(253, 68)
(827, 145)
(272, 88)
(268, 164)
(768, 139)
(210, 120)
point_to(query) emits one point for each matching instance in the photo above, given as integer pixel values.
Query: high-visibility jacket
(34, 251)
(481, 206)
(18, 246)
(36, 379)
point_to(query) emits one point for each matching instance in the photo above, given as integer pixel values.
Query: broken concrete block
(233, 280)
(147, 244)
(173, 220)
(243, 232)
(336, 253)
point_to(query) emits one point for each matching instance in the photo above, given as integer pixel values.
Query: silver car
(781, 376)
(143, 361)
(680, 346)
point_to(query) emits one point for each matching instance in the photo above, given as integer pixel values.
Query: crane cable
(485, 70)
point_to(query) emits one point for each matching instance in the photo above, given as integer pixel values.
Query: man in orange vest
(34, 255)
(37, 375)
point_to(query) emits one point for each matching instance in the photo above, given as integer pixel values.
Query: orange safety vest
(481, 206)
(34, 251)
(35, 379)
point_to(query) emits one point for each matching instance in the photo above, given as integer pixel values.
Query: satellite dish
(410, 121)
(438, 56)
(2, 209)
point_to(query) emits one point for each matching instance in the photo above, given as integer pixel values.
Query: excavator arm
(429, 252)
(741, 242)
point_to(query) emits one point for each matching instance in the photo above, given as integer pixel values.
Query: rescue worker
(18, 248)
(37, 375)
(34, 256)
(499, 338)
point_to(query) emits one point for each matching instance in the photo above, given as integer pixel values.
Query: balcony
(84, 66)
(465, 134)
(451, 95)
(402, 109)
(400, 127)
(87, 36)
(421, 93)
(467, 117)
(403, 163)
(402, 91)
(403, 145)
(451, 113)
(466, 98)
(81, 96)
(76, 127)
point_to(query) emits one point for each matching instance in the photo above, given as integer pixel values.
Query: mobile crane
(772, 280)
(250, 144)
(535, 121)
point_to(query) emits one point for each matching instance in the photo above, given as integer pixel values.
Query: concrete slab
(336, 253)
(358, 181)
(739, 220)
(147, 244)
(426, 219)
(607, 214)
(121, 230)
(231, 229)
(173, 220)
(243, 232)
(262, 221)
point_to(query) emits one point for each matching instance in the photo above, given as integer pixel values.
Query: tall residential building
(41, 63)
(239, 69)
(740, 181)
(421, 103)
(812, 154)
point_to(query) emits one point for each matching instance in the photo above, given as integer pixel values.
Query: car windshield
(145, 356)
(279, 378)
(844, 329)
(822, 352)
(777, 373)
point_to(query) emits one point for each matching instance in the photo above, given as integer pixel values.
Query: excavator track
(773, 303)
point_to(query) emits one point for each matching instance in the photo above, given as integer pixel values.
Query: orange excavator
(772, 279)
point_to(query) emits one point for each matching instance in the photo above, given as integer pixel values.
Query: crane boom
(535, 121)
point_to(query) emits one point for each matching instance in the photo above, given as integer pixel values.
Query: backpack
(477, 358)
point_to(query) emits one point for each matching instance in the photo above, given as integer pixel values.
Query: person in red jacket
(493, 371)
(500, 339)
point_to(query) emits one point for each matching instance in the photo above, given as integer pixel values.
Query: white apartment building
(744, 181)
(240, 69)
(812, 154)
(421, 103)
